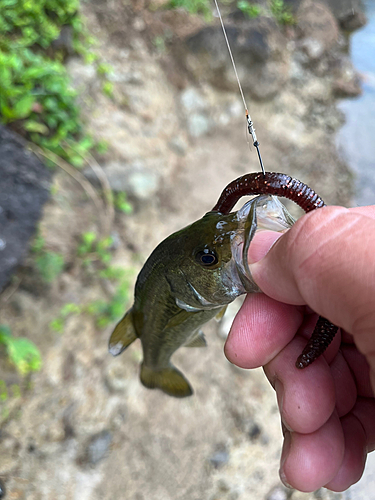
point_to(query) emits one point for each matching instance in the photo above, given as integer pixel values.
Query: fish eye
(206, 258)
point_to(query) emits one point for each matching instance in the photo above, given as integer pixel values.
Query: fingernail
(284, 456)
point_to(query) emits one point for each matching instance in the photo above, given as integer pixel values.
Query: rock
(314, 49)
(353, 21)
(347, 88)
(97, 448)
(192, 100)
(219, 458)
(24, 188)
(139, 179)
(316, 21)
(279, 492)
(346, 81)
(2, 490)
(178, 145)
(196, 112)
(254, 431)
(349, 13)
(259, 49)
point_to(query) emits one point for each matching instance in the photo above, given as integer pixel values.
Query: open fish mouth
(261, 213)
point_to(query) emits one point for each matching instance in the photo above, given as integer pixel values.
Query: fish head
(211, 268)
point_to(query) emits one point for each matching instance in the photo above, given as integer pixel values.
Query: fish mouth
(262, 213)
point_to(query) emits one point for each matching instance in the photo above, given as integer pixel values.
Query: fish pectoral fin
(197, 341)
(123, 335)
(220, 314)
(169, 380)
(178, 319)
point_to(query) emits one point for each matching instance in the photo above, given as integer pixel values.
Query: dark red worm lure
(295, 190)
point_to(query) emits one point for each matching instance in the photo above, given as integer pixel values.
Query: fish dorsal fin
(123, 335)
(169, 380)
(220, 314)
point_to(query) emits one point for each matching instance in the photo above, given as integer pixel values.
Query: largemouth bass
(189, 279)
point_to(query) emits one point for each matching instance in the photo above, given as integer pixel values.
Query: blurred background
(121, 123)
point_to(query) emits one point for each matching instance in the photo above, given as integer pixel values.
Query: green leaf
(24, 355)
(23, 106)
(33, 126)
(50, 265)
(5, 334)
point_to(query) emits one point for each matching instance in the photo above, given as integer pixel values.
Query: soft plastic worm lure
(306, 198)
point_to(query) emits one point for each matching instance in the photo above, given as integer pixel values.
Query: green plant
(107, 88)
(250, 10)
(193, 6)
(34, 87)
(23, 353)
(122, 204)
(94, 249)
(67, 310)
(159, 43)
(50, 265)
(281, 12)
(106, 312)
(3, 391)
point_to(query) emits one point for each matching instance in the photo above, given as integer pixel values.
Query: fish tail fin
(123, 335)
(169, 380)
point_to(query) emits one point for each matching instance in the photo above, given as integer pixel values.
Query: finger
(309, 461)
(359, 431)
(368, 211)
(306, 398)
(364, 410)
(260, 330)
(345, 387)
(261, 243)
(326, 261)
(360, 370)
(354, 460)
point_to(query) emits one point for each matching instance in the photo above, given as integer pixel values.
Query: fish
(189, 279)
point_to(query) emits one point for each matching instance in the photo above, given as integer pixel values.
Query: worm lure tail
(295, 190)
(268, 183)
(322, 336)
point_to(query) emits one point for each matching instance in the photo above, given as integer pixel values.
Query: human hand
(324, 263)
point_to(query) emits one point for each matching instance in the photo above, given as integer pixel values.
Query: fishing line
(250, 124)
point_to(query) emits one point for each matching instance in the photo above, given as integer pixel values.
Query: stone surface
(316, 21)
(97, 448)
(349, 13)
(24, 188)
(259, 49)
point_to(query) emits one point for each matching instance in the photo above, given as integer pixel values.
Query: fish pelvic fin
(123, 335)
(197, 341)
(169, 380)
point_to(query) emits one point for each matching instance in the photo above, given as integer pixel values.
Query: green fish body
(189, 279)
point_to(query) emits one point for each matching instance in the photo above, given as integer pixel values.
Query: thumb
(326, 260)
